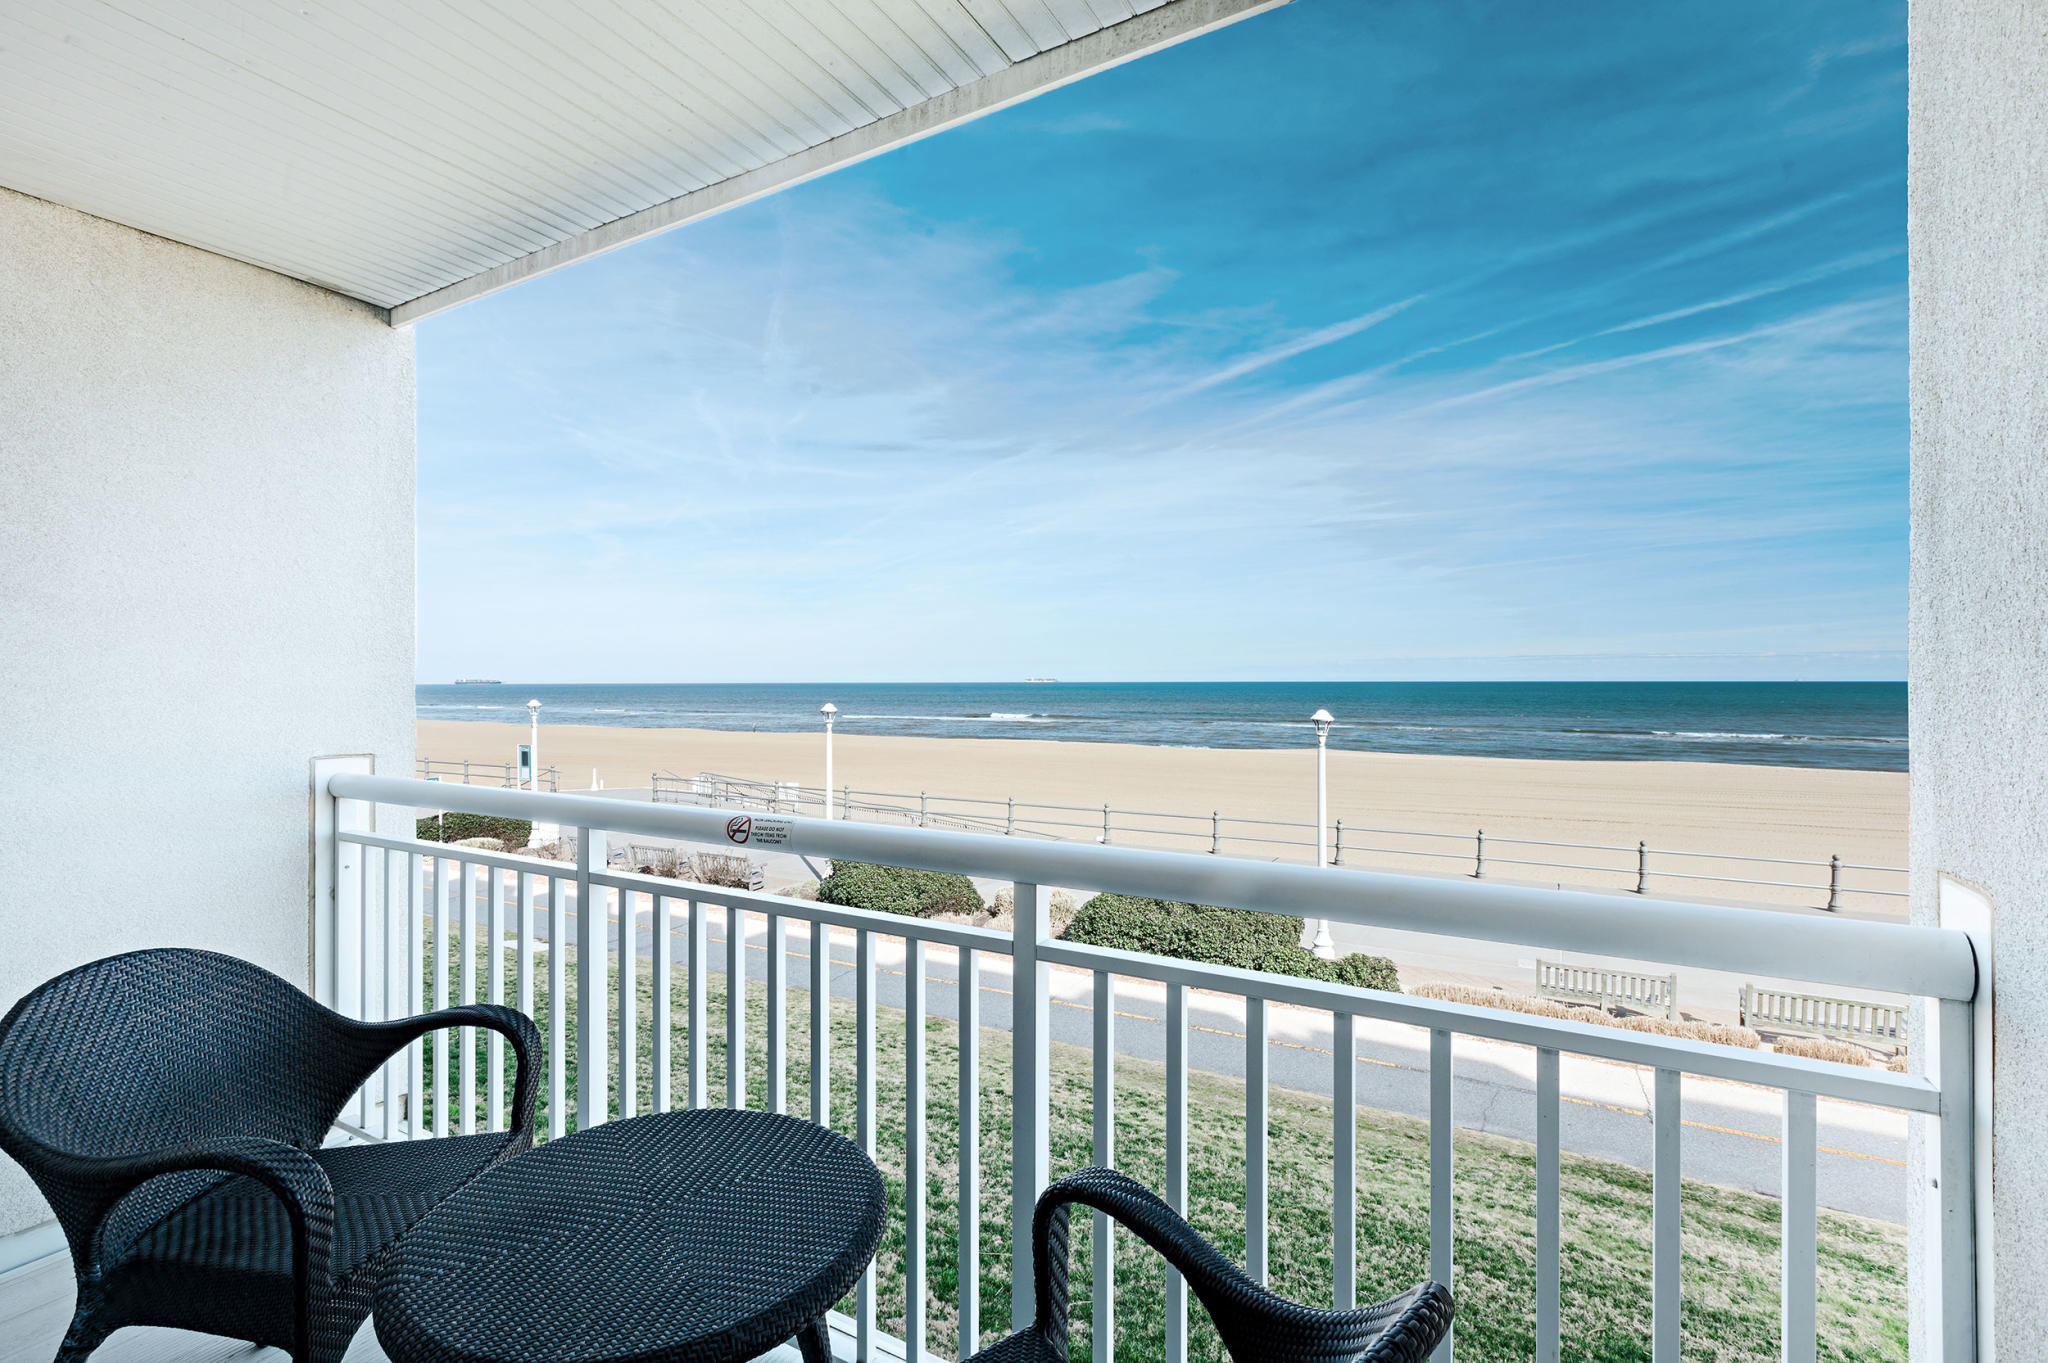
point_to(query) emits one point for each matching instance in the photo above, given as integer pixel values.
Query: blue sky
(1417, 339)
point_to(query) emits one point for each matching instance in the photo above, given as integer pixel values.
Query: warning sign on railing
(748, 830)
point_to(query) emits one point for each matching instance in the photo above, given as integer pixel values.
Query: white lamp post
(828, 710)
(533, 742)
(1322, 719)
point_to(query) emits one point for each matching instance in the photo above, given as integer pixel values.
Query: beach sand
(1693, 807)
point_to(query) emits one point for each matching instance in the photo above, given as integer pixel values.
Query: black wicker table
(686, 1237)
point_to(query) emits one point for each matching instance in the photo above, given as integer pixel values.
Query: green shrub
(1234, 937)
(897, 889)
(1188, 932)
(1360, 971)
(460, 827)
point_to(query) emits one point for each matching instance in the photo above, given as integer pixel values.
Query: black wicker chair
(171, 1106)
(1256, 1326)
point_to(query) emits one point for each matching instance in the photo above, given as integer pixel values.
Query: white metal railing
(1827, 884)
(383, 902)
(1593, 984)
(469, 773)
(1856, 1019)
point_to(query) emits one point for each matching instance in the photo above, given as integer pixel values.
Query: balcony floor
(35, 1306)
(36, 1302)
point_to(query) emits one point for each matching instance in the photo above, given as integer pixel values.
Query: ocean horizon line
(1853, 724)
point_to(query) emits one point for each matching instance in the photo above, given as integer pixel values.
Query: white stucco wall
(1978, 224)
(206, 579)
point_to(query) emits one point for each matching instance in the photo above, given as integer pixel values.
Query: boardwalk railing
(1830, 884)
(1590, 984)
(1884, 1024)
(393, 906)
(503, 774)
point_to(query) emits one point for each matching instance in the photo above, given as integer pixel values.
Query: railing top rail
(1932, 962)
(1465, 838)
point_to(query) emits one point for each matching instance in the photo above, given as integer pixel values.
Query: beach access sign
(747, 830)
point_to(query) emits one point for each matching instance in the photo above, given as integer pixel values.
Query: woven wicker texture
(1256, 1325)
(170, 1104)
(682, 1237)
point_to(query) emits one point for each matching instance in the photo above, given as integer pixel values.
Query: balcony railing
(395, 908)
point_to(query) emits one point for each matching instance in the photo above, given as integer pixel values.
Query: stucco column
(1978, 227)
(206, 582)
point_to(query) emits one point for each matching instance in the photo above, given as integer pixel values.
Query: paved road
(1729, 1131)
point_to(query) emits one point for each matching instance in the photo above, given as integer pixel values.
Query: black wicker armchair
(171, 1106)
(1256, 1326)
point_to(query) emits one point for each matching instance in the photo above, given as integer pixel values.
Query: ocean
(1786, 724)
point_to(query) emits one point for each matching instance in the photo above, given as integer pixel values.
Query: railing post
(1215, 832)
(1834, 881)
(1666, 1212)
(593, 956)
(1798, 1252)
(1030, 1089)
(465, 771)
(1479, 855)
(921, 809)
(345, 909)
(336, 873)
(968, 1012)
(1102, 1326)
(1954, 1192)
(1549, 1222)
(1010, 823)
(1642, 867)
(1337, 853)
(1105, 824)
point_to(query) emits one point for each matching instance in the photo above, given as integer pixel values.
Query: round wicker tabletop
(684, 1237)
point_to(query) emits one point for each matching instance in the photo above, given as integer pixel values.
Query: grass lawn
(1730, 1269)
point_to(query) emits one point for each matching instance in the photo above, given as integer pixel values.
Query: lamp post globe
(533, 743)
(1323, 719)
(828, 710)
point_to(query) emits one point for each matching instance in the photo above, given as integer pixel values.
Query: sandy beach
(1697, 807)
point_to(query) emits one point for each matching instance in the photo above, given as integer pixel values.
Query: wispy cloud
(1300, 345)
(1271, 375)
(1856, 261)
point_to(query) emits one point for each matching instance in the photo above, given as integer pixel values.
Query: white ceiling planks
(417, 153)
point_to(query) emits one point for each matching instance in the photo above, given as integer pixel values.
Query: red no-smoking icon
(739, 828)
